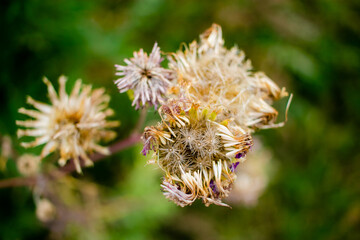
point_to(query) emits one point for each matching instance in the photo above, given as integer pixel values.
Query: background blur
(311, 47)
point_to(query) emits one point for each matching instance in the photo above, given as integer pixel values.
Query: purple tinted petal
(144, 151)
(234, 166)
(239, 155)
(213, 187)
(146, 147)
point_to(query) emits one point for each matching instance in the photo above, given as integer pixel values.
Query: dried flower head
(73, 124)
(28, 164)
(45, 210)
(197, 152)
(145, 76)
(222, 78)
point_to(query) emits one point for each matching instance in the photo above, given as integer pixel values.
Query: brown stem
(17, 182)
(70, 167)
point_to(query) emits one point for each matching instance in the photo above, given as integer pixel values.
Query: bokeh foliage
(312, 47)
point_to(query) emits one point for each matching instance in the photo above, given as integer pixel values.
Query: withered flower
(196, 151)
(145, 77)
(222, 78)
(74, 124)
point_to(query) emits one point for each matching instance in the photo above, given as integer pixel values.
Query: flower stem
(70, 167)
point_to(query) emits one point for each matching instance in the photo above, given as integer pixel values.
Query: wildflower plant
(217, 101)
(210, 101)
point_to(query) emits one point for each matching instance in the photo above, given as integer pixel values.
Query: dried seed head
(145, 76)
(28, 164)
(222, 78)
(74, 124)
(196, 153)
(218, 100)
(45, 210)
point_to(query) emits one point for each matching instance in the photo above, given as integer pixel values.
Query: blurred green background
(310, 46)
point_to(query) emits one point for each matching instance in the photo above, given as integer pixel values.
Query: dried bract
(74, 124)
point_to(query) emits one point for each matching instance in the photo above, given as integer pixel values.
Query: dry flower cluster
(210, 102)
(214, 101)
